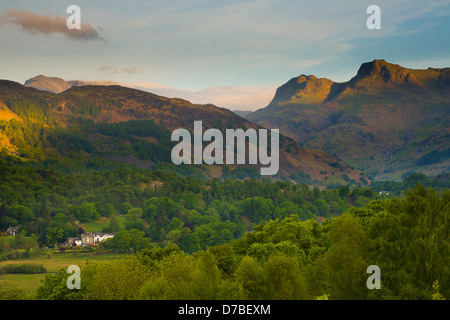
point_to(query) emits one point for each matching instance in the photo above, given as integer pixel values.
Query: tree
(206, 278)
(54, 287)
(54, 234)
(344, 191)
(250, 275)
(322, 206)
(119, 279)
(150, 212)
(410, 244)
(86, 212)
(3, 216)
(262, 208)
(174, 282)
(133, 219)
(133, 239)
(341, 271)
(124, 207)
(114, 224)
(108, 210)
(283, 279)
(189, 200)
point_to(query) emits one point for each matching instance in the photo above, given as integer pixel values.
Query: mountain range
(96, 127)
(384, 123)
(387, 120)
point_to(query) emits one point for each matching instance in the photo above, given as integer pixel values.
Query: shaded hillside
(98, 127)
(387, 120)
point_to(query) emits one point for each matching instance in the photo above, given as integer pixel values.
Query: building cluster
(12, 231)
(89, 238)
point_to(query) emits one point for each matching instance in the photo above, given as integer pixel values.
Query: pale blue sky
(194, 45)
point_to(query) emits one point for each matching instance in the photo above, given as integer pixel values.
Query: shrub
(24, 268)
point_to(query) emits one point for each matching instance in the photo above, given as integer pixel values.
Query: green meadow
(52, 262)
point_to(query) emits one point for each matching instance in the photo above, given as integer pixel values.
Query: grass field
(54, 261)
(103, 222)
(98, 225)
(52, 264)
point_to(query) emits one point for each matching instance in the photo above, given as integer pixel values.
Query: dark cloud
(131, 70)
(46, 24)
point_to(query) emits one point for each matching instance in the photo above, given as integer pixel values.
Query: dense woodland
(291, 259)
(193, 238)
(189, 238)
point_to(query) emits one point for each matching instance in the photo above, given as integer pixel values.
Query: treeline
(291, 259)
(410, 181)
(28, 268)
(37, 136)
(434, 157)
(192, 213)
(127, 129)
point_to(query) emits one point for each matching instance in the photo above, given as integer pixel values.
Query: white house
(92, 238)
(12, 231)
(74, 241)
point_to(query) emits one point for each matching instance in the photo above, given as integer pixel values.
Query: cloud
(111, 69)
(234, 97)
(107, 68)
(132, 70)
(46, 24)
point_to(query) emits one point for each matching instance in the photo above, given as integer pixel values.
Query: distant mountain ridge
(383, 121)
(371, 79)
(93, 124)
(52, 84)
(58, 85)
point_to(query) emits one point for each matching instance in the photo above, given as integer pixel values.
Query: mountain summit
(58, 85)
(375, 78)
(387, 120)
(52, 84)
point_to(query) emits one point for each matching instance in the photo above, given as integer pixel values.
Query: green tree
(119, 279)
(54, 234)
(206, 279)
(87, 212)
(283, 279)
(54, 287)
(341, 271)
(108, 210)
(133, 219)
(124, 207)
(22, 214)
(250, 275)
(114, 224)
(344, 191)
(174, 280)
(133, 240)
(410, 244)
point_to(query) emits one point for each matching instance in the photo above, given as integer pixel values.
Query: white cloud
(113, 70)
(233, 98)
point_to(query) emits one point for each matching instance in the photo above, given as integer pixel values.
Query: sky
(230, 53)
